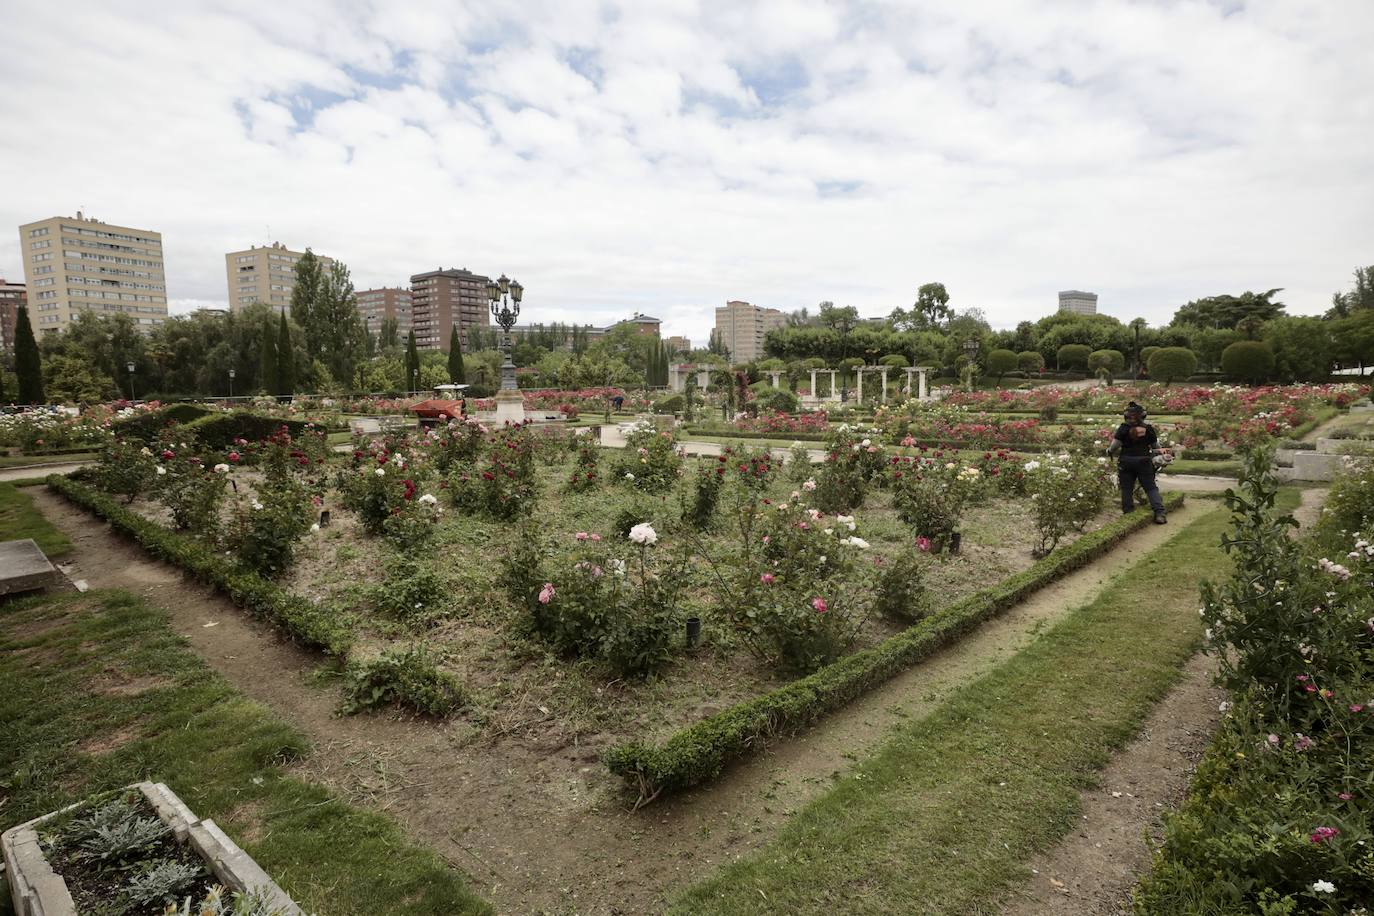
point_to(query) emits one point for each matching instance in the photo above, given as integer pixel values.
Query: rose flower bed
(538, 585)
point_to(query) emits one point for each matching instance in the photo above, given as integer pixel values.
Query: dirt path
(1093, 872)
(40, 470)
(542, 828)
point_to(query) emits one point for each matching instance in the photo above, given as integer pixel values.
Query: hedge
(145, 426)
(307, 623)
(221, 429)
(699, 752)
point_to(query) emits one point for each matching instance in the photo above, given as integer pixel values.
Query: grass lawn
(97, 691)
(942, 818)
(20, 519)
(1206, 468)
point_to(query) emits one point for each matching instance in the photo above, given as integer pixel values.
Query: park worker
(1135, 443)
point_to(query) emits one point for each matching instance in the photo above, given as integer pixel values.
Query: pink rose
(546, 593)
(766, 578)
(820, 605)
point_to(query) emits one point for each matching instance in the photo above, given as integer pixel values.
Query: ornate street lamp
(971, 351)
(505, 295)
(232, 373)
(130, 366)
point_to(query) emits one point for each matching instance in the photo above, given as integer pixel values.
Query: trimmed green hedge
(698, 753)
(221, 429)
(1198, 454)
(145, 426)
(306, 622)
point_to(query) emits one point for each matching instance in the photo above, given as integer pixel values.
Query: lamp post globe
(232, 373)
(130, 366)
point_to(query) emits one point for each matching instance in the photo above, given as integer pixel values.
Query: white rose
(161, 470)
(428, 499)
(857, 542)
(643, 534)
(380, 472)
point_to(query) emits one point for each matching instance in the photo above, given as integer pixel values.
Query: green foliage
(1112, 361)
(286, 359)
(503, 486)
(457, 373)
(1228, 311)
(1172, 363)
(28, 363)
(1030, 362)
(269, 371)
(412, 591)
(901, 589)
(412, 364)
(1068, 492)
(125, 469)
(263, 530)
(775, 400)
(1000, 362)
(669, 404)
(193, 493)
(409, 678)
(799, 467)
(1250, 361)
(1073, 356)
(699, 753)
(651, 462)
(586, 472)
(311, 624)
(699, 504)
(930, 504)
(72, 379)
(1303, 348)
(221, 430)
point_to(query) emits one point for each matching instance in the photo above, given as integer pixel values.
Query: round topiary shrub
(1145, 354)
(1030, 361)
(1249, 361)
(670, 404)
(1113, 361)
(1171, 363)
(775, 400)
(1073, 356)
(1000, 362)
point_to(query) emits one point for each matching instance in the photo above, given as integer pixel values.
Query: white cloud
(667, 156)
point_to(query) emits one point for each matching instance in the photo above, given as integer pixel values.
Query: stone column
(815, 395)
(859, 374)
(921, 383)
(910, 377)
(673, 379)
(834, 385)
(884, 384)
(703, 379)
(776, 375)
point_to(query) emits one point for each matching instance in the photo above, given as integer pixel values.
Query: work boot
(1161, 518)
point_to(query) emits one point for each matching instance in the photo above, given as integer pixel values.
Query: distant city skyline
(632, 157)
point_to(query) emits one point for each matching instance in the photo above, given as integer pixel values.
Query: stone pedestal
(510, 406)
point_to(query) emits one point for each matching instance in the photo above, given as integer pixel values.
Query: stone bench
(24, 567)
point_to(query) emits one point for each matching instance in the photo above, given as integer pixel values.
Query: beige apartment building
(77, 264)
(741, 328)
(264, 274)
(439, 298)
(12, 296)
(377, 305)
(679, 344)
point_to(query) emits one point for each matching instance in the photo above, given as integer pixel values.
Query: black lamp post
(130, 366)
(505, 295)
(232, 373)
(414, 381)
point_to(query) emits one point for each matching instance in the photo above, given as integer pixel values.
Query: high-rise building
(679, 344)
(377, 305)
(441, 298)
(1078, 302)
(264, 274)
(76, 264)
(741, 327)
(12, 295)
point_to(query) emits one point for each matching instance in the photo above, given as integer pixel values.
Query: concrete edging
(39, 891)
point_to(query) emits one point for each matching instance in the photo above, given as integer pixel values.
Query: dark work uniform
(1137, 464)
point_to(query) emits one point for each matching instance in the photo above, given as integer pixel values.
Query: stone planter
(39, 891)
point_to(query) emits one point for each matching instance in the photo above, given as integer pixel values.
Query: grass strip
(33, 461)
(313, 625)
(944, 816)
(20, 518)
(97, 691)
(1205, 468)
(699, 752)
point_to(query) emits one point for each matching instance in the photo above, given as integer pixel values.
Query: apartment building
(742, 327)
(12, 295)
(76, 264)
(679, 344)
(377, 305)
(1078, 302)
(264, 273)
(643, 324)
(442, 298)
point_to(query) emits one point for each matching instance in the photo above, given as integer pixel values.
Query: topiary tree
(1107, 363)
(1000, 362)
(1145, 354)
(1171, 363)
(1073, 356)
(894, 361)
(1030, 361)
(28, 364)
(1249, 361)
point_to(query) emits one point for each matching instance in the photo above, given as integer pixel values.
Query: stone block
(24, 567)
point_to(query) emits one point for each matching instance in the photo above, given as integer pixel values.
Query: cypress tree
(455, 357)
(269, 377)
(412, 362)
(28, 364)
(306, 298)
(286, 359)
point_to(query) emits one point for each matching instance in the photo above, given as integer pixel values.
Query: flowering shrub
(412, 592)
(456, 443)
(700, 501)
(586, 466)
(36, 431)
(126, 469)
(1067, 491)
(602, 600)
(192, 491)
(411, 525)
(263, 531)
(651, 462)
(377, 488)
(799, 463)
(506, 484)
(853, 460)
(1283, 796)
(778, 423)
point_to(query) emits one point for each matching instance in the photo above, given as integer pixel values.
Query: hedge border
(700, 752)
(302, 620)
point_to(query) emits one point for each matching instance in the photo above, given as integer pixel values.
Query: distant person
(1134, 444)
(618, 402)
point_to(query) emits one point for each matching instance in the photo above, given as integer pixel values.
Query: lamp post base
(510, 406)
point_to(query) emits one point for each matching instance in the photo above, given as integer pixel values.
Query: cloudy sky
(665, 155)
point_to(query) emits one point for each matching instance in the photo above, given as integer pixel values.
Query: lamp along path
(540, 827)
